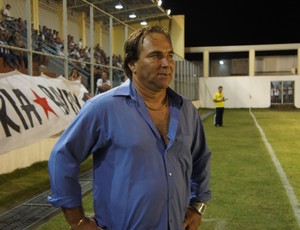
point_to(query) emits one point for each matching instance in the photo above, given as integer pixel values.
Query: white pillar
(251, 62)
(298, 61)
(206, 63)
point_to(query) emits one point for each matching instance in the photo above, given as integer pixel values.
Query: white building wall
(245, 91)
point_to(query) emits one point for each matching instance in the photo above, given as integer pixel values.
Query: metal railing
(185, 78)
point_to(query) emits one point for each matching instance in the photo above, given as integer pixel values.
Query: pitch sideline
(284, 180)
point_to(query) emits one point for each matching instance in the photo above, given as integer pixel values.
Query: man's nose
(164, 61)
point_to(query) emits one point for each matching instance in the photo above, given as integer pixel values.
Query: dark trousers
(219, 116)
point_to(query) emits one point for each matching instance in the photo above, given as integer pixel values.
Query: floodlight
(132, 15)
(144, 23)
(119, 6)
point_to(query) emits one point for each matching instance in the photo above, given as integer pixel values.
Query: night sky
(222, 23)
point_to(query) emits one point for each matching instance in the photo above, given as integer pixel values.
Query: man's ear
(131, 66)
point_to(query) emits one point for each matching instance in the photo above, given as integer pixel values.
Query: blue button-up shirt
(138, 182)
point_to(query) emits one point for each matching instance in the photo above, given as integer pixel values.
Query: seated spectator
(103, 84)
(11, 37)
(42, 60)
(3, 28)
(21, 25)
(97, 76)
(75, 75)
(8, 58)
(20, 54)
(58, 41)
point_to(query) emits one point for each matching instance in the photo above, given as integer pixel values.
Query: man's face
(154, 68)
(104, 76)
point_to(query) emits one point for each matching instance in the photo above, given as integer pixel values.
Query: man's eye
(170, 56)
(157, 56)
(161, 56)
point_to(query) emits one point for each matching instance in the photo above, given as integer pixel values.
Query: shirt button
(170, 174)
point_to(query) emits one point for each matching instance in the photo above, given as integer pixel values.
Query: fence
(93, 43)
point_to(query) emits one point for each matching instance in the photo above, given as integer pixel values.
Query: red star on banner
(43, 102)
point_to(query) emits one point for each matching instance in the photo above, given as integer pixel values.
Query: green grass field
(247, 189)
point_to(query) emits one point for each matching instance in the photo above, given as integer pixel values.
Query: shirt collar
(128, 89)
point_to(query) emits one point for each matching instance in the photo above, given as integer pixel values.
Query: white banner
(34, 108)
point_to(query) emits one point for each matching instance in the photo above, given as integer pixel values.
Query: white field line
(220, 224)
(284, 180)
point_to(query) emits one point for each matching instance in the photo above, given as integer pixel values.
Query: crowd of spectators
(48, 40)
(10, 29)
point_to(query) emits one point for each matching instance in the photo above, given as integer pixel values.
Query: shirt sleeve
(200, 179)
(99, 82)
(72, 148)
